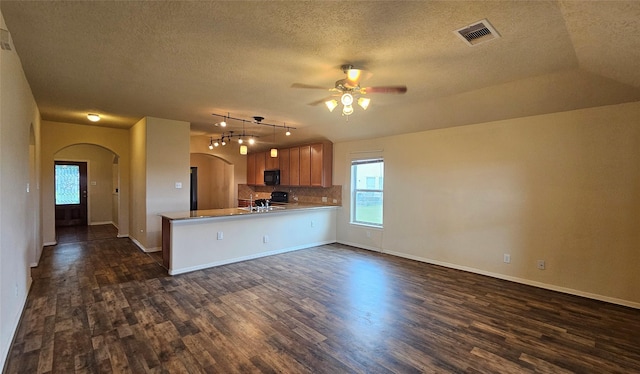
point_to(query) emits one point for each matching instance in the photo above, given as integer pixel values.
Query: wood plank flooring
(102, 306)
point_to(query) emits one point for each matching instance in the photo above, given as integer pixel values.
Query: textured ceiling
(186, 60)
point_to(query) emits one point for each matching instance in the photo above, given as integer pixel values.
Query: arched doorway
(215, 181)
(102, 184)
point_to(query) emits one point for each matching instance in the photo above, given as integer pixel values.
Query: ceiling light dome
(346, 99)
(93, 117)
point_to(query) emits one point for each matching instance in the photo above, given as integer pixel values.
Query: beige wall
(561, 187)
(215, 181)
(61, 135)
(138, 206)
(20, 239)
(99, 178)
(230, 154)
(160, 150)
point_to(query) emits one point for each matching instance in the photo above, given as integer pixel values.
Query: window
(367, 177)
(67, 184)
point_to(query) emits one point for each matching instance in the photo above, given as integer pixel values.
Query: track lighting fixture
(243, 137)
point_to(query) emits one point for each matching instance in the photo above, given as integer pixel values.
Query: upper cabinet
(251, 169)
(285, 167)
(306, 165)
(271, 163)
(321, 164)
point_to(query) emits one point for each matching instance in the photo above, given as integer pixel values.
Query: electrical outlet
(265, 239)
(541, 265)
(313, 224)
(507, 258)
(220, 235)
(324, 199)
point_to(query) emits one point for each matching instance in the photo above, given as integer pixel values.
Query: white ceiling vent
(476, 33)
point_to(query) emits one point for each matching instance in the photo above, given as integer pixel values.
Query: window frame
(354, 191)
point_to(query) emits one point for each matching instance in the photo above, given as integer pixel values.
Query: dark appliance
(272, 177)
(279, 197)
(261, 202)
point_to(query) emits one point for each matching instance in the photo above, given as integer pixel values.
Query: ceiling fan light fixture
(331, 104)
(346, 99)
(347, 110)
(364, 102)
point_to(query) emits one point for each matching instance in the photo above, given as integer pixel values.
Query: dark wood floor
(102, 306)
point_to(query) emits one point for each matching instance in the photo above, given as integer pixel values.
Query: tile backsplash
(312, 195)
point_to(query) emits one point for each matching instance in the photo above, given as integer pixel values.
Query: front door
(71, 193)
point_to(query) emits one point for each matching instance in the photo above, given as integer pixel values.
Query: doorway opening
(71, 193)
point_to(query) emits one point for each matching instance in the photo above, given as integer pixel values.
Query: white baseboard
(101, 223)
(358, 245)
(527, 282)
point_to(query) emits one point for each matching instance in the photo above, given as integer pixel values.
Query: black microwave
(272, 177)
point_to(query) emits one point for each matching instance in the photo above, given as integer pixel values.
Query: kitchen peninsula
(206, 238)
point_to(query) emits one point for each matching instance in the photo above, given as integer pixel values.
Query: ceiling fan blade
(384, 89)
(321, 101)
(302, 85)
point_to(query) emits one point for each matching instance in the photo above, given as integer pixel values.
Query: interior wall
(138, 204)
(61, 135)
(215, 178)
(115, 187)
(20, 247)
(561, 187)
(99, 179)
(231, 155)
(167, 167)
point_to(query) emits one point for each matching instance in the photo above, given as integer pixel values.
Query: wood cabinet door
(305, 165)
(251, 169)
(260, 167)
(283, 164)
(316, 167)
(294, 166)
(322, 164)
(272, 163)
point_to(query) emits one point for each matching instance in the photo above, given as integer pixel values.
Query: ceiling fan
(348, 91)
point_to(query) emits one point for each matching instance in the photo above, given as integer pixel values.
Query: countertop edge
(238, 212)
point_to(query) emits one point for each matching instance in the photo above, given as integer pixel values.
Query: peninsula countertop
(232, 212)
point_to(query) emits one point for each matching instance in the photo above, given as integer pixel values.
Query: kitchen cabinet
(271, 163)
(260, 167)
(251, 169)
(305, 165)
(321, 164)
(294, 166)
(283, 164)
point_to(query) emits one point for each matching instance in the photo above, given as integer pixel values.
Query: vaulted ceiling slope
(185, 60)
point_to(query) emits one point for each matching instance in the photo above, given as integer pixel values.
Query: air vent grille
(476, 33)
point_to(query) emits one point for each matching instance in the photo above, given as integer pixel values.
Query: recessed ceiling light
(93, 117)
